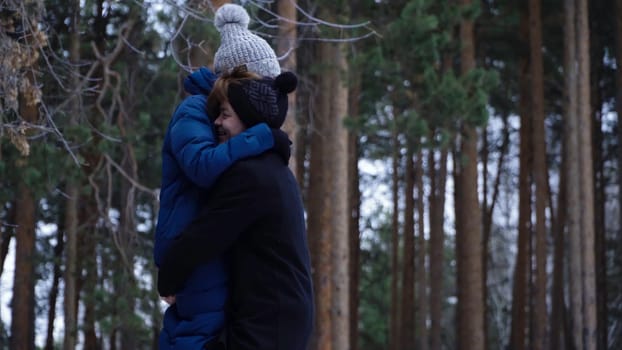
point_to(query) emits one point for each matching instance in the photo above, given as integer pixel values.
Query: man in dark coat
(254, 215)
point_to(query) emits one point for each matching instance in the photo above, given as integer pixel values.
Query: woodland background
(459, 160)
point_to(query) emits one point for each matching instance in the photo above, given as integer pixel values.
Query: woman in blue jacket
(191, 162)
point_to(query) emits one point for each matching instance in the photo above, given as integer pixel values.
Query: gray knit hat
(238, 46)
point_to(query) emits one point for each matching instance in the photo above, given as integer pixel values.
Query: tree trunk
(127, 237)
(71, 253)
(488, 208)
(600, 199)
(23, 303)
(319, 209)
(6, 233)
(574, 207)
(407, 305)
(618, 79)
(394, 320)
(89, 258)
(557, 290)
(338, 139)
(539, 174)
(586, 175)
(486, 226)
(598, 74)
(58, 258)
(286, 47)
(438, 176)
(470, 309)
(71, 203)
(354, 194)
(519, 289)
(618, 103)
(422, 285)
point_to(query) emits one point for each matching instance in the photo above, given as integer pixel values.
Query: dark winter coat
(254, 213)
(191, 157)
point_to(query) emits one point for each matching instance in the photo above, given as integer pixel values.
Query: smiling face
(228, 124)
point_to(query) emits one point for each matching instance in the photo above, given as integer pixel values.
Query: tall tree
(71, 189)
(338, 140)
(394, 326)
(470, 309)
(519, 289)
(354, 205)
(618, 103)
(572, 182)
(539, 173)
(557, 289)
(286, 47)
(319, 210)
(437, 173)
(420, 257)
(407, 304)
(618, 79)
(23, 303)
(581, 228)
(598, 85)
(586, 174)
(57, 272)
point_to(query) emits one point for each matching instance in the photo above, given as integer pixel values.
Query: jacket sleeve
(233, 206)
(197, 150)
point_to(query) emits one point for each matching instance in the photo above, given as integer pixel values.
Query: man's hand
(169, 299)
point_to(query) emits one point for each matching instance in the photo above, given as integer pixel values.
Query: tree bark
(557, 290)
(618, 103)
(599, 74)
(319, 210)
(407, 305)
(571, 140)
(6, 233)
(338, 139)
(586, 175)
(354, 194)
(470, 309)
(420, 257)
(539, 174)
(488, 208)
(89, 258)
(438, 176)
(286, 47)
(70, 306)
(57, 274)
(394, 327)
(618, 79)
(23, 303)
(519, 289)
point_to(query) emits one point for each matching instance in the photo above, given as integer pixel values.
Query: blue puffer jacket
(191, 162)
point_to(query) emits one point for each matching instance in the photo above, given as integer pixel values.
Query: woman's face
(228, 124)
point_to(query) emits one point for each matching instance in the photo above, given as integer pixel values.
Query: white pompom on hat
(238, 46)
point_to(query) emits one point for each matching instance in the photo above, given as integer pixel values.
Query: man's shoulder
(261, 166)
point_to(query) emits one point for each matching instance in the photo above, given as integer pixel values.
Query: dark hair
(220, 91)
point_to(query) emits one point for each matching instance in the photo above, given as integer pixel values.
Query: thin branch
(133, 181)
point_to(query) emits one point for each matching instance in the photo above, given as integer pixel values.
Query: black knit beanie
(262, 100)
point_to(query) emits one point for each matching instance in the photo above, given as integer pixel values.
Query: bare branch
(134, 182)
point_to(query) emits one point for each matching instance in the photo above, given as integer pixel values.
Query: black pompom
(286, 82)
